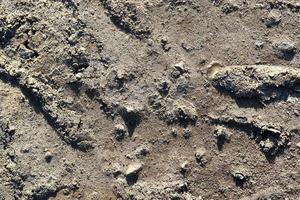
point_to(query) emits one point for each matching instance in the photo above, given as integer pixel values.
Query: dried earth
(149, 99)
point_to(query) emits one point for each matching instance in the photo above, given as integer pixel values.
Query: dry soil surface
(149, 99)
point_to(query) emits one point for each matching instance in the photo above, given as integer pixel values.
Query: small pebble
(273, 18)
(73, 39)
(267, 145)
(187, 133)
(164, 87)
(165, 44)
(186, 47)
(200, 156)
(223, 136)
(184, 167)
(133, 169)
(48, 156)
(26, 53)
(178, 70)
(286, 50)
(240, 176)
(259, 44)
(120, 132)
(174, 133)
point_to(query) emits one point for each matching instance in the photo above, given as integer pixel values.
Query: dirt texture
(149, 99)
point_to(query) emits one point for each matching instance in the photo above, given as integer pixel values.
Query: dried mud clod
(272, 140)
(260, 83)
(129, 16)
(132, 172)
(184, 113)
(284, 4)
(48, 188)
(45, 99)
(179, 111)
(168, 189)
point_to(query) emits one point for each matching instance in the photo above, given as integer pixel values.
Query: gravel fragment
(286, 50)
(273, 18)
(133, 169)
(120, 132)
(200, 155)
(240, 176)
(48, 156)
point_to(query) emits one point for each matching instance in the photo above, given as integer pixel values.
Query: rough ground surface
(149, 99)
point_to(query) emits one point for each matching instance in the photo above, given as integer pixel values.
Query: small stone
(66, 191)
(183, 112)
(286, 50)
(164, 40)
(132, 172)
(187, 133)
(78, 76)
(267, 145)
(174, 133)
(150, 42)
(11, 153)
(26, 53)
(120, 132)
(258, 62)
(77, 62)
(178, 70)
(182, 188)
(240, 176)
(165, 44)
(286, 47)
(25, 149)
(186, 47)
(164, 87)
(133, 169)
(181, 66)
(222, 135)
(11, 166)
(184, 167)
(273, 18)
(48, 156)
(229, 8)
(200, 156)
(175, 74)
(259, 44)
(73, 39)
